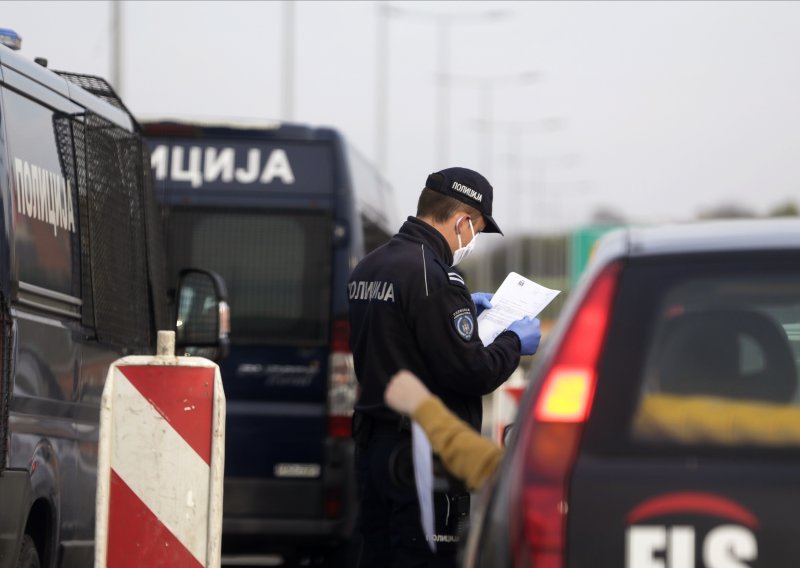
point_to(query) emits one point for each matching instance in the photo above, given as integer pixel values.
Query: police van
(283, 212)
(81, 285)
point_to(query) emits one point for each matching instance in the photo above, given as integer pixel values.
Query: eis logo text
(703, 531)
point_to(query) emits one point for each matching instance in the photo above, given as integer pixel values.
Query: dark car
(661, 425)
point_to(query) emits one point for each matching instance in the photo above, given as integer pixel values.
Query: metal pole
(487, 100)
(442, 137)
(515, 150)
(486, 86)
(287, 103)
(382, 87)
(116, 46)
(515, 206)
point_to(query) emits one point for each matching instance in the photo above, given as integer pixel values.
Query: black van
(282, 212)
(81, 284)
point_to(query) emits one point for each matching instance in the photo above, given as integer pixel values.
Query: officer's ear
(459, 220)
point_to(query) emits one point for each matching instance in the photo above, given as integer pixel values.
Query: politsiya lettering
(375, 290)
(44, 195)
(468, 191)
(198, 165)
(444, 538)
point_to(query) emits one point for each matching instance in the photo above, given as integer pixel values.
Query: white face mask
(462, 252)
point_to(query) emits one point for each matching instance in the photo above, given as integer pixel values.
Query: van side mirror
(202, 325)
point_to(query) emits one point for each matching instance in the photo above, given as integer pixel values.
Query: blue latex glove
(529, 333)
(482, 301)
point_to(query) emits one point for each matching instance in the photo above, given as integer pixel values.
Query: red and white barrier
(160, 463)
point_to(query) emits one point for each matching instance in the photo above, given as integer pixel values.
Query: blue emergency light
(10, 38)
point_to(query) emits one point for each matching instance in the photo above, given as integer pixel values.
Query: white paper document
(516, 298)
(423, 475)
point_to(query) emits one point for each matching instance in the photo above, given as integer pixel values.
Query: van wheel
(28, 555)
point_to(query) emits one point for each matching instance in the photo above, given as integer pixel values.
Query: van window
(276, 266)
(46, 238)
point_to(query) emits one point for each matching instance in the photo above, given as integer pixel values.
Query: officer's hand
(529, 334)
(482, 301)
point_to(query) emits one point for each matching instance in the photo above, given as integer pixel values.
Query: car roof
(701, 237)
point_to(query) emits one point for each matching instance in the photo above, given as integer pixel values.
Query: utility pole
(287, 99)
(486, 87)
(116, 46)
(516, 131)
(382, 87)
(443, 22)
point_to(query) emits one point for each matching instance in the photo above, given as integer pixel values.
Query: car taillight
(549, 444)
(342, 385)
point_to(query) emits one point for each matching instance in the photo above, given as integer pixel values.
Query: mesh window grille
(154, 241)
(107, 143)
(119, 230)
(97, 86)
(114, 207)
(279, 278)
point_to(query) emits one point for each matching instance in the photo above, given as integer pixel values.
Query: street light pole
(516, 131)
(381, 86)
(442, 135)
(443, 22)
(485, 142)
(116, 46)
(550, 214)
(287, 100)
(486, 87)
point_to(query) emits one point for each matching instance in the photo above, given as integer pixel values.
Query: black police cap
(469, 187)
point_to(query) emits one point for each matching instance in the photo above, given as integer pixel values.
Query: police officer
(410, 310)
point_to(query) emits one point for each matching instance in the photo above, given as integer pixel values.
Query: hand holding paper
(516, 298)
(529, 333)
(482, 301)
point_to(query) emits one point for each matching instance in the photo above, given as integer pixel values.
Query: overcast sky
(655, 110)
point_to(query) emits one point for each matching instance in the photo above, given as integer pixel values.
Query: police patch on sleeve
(464, 324)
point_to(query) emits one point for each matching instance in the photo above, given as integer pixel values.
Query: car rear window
(702, 352)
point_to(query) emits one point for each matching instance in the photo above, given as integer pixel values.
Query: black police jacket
(410, 310)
